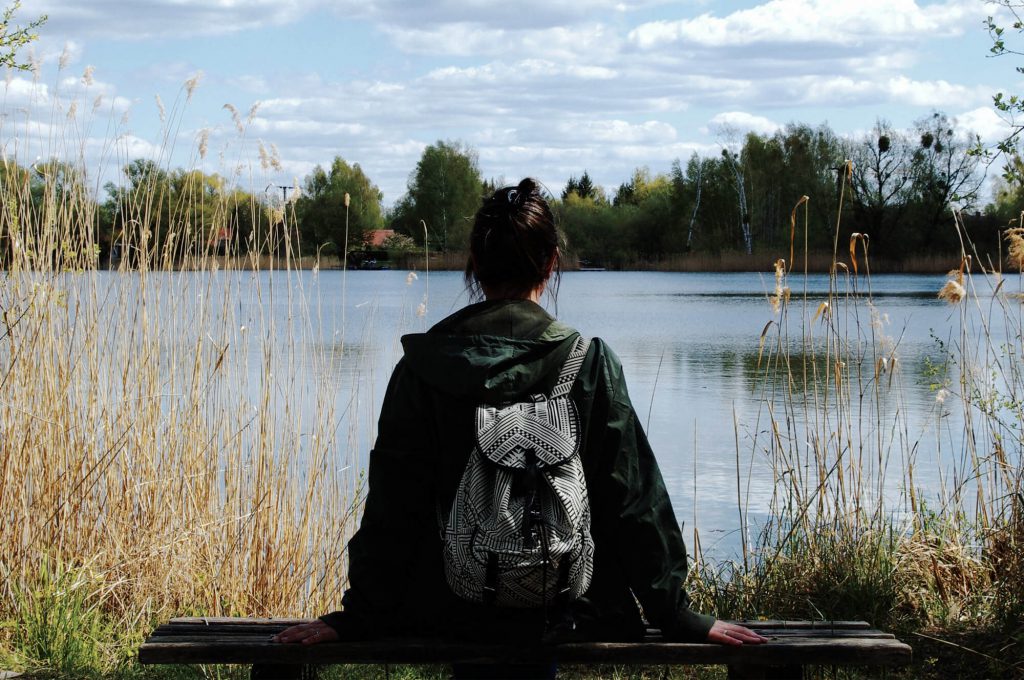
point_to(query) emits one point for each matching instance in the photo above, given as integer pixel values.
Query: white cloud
(307, 128)
(74, 121)
(68, 52)
(524, 15)
(877, 91)
(251, 83)
(594, 43)
(825, 22)
(527, 70)
(38, 99)
(743, 122)
(617, 131)
(934, 93)
(984, 121)
(630, 156)
(144, 19)
(542, 88)
(20, 92)
(837, 91)
(456, 39)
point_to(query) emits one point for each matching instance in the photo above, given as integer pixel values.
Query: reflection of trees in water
(804, 372)
(343, 361)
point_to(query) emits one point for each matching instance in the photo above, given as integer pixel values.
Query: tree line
(897, 186)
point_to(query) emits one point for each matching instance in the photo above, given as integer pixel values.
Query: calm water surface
(688, 343)
(689, 346)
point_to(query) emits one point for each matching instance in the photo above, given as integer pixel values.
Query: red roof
(377, 237)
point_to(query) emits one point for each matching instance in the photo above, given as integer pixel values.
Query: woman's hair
(514, 243)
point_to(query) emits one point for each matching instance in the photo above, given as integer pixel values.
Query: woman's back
(492, 353)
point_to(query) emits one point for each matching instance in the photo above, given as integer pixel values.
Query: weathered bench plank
(792, 643)
(204, 633)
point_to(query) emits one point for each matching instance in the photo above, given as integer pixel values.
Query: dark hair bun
(528, 186)
(514, 244)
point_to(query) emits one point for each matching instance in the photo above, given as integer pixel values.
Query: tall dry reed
(849, 533)
(158, 430)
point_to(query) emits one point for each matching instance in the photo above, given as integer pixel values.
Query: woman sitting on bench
(513, 495)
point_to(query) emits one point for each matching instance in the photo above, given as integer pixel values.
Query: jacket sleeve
(398, 508)
(647, 536)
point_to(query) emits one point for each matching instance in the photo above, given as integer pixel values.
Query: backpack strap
(571, 369)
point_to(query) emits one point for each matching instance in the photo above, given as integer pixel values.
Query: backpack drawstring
(544, 572)
(530, 477)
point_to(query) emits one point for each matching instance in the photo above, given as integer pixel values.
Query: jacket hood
(491, 352)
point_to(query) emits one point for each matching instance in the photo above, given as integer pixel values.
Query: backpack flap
(547, 429)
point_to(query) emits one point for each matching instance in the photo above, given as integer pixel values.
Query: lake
(689, 344)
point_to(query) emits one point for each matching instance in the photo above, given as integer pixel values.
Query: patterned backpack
(518, 532)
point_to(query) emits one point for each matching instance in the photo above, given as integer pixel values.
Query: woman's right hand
(310, 633)
(725, 633)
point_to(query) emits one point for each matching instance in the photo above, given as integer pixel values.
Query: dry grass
(1015, 253)
(849, 533)
(158, 432)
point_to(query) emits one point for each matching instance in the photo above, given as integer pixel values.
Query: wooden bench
(792, 645)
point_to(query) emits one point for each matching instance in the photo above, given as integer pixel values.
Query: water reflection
(689, 344)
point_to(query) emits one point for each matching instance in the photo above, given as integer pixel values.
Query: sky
(545, 88)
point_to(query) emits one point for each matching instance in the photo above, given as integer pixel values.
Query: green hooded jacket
(494, 352)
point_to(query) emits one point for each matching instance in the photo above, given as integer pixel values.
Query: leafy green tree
(782, 168)
(625, 195)
(164, 217)
(764, 160)
(444, 191)
(571, 187)
(706, 198)
(140, 207)
(1008, 206)
(399, 243)
(13, 37)
(734, 163)
(687, 191)
(321, 212)
(1010, 105)
(652, 224)
(48, 214)
(248, 222)
(639, 187)
(196, 206)
(583, 187)
(815, 159)
(593, 232)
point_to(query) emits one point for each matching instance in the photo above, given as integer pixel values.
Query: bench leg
(766, 672)
(282, 671)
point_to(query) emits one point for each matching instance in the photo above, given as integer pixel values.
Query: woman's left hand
(310, 633)
(724, 633)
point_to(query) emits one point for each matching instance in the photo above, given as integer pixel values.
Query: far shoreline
(733, 263)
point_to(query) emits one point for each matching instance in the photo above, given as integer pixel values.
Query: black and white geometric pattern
(518, 533)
